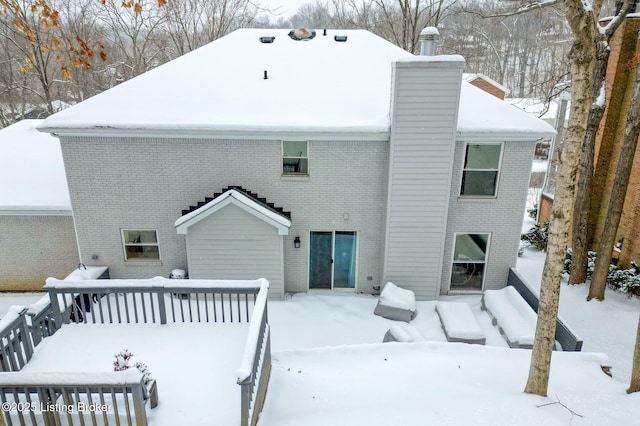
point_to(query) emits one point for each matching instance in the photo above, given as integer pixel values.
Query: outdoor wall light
(296, 242)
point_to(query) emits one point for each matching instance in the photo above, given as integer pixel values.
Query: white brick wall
(33, 248)
(501, 216)
(145, 183)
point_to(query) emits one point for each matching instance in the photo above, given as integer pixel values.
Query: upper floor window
(481, 169)
(140, 244)
(295, 157)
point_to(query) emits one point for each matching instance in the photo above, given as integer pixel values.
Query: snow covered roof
(32, 171)
(241, 87)
(483, 116)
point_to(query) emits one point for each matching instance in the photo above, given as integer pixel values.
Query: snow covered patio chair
(396, 303)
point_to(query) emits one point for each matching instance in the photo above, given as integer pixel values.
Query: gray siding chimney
(424, 114)
(428, 41)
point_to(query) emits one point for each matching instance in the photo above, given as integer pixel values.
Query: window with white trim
(295, 157)
(140, 244)
(469, 261)
(481, 169)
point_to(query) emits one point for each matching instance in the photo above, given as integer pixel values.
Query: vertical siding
(234, 244)
(146, 182)
(424, 118)
(33, 248)
(500, 216)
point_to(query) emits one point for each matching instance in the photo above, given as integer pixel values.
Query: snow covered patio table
(194, 364)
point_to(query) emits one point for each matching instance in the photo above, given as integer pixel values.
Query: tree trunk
(581, 243)
(582, 60)
(634, 386)
(618, 193)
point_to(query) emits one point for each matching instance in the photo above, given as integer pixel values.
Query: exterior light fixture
(296, 242)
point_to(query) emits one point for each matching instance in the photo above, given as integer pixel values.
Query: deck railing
(41, 320)
(16, 345)
(569, 339)
(114, 398)
(253, 374)
(157, 300)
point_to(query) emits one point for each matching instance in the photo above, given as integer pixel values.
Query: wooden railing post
(138, 404)
(55, 307)
(162, 309)
(246, 389)
(25, 335)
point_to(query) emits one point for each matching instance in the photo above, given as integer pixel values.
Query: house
(327, 159)
(37, 237)
(625, 50)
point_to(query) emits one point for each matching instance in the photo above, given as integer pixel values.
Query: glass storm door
(332, 260)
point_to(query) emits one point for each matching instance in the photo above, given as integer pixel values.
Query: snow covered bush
(533, 212)
(122, 359)
(121, 363)
(538, 236)
(623, 280)
(146, 374)
(591, 263)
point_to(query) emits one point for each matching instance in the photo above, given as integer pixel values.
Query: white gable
(281, 223)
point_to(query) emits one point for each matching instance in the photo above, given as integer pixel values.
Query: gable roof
(31, 171)
(314, 86)
(242, 198)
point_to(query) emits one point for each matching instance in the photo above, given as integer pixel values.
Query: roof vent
(302, 34)
(340, 38)
(267, 39)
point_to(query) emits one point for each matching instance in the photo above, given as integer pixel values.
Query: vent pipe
(428, 41)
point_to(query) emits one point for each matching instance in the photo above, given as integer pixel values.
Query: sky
(285, 8)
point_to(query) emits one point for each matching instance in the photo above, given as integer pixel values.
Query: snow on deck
(193, 364)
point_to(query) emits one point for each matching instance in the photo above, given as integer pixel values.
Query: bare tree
(402, 20)
(133, 32)
(190, 24)
(525, 52)
(581, 238)
(618, 193)
(583, 20)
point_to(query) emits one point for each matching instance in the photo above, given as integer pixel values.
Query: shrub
(591, 263)
(623, 280)
(538, 236)
(533, 212)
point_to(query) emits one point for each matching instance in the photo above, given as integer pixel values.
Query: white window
(469, 260)
(481, 169)
(140, 244)
(295, 158)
